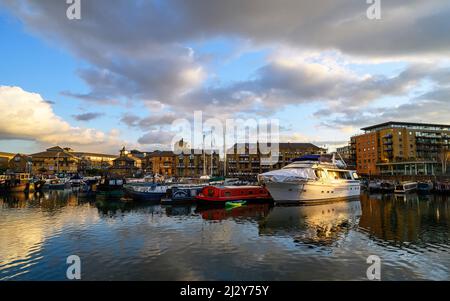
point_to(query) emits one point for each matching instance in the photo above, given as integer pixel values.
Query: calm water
(119, 241)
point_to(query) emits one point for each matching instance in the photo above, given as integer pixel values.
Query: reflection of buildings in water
(16, 199)
(179, 210)
(314, 224)
(250, 211)
(411, 218)
(117, 208)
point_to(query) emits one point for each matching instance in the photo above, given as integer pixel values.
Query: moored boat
(425, 187)
(110, 188)
(405, 187)
(222, 194)
(146, 193)
(76, 180)
(87, 188)
(442, 187)
(374, 186)
(56, 184)
(312, 178)
(39, 184)
(387, 186)
(19, 182)
(181, 194)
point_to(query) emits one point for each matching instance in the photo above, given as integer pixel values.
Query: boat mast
(211, 153)
(224, 153)
(204, 156)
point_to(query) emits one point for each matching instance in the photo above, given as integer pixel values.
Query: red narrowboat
(222, 194)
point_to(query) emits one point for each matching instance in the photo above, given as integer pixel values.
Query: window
(319, 173)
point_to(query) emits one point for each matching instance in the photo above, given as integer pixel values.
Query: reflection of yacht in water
(312, 178)
(317, 224)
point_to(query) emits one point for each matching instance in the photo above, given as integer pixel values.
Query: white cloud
(27, 116)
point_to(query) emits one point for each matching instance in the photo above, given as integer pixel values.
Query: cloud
(87, 116)
(30, 117)
(146, 123)
(157, 137)
(142, 51)
(139, 49)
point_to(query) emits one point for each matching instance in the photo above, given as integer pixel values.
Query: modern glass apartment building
(402, 148)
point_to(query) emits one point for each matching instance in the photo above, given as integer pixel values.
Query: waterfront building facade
(94, 161)
(21, 163)
(160, 162)
(195, 163)
(402, 148)
(246, 160)
(55, 160)
(346, 154)
(126, 165)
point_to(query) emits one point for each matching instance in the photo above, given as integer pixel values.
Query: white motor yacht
(312, 178)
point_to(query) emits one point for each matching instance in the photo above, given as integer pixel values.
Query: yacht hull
(309, 191)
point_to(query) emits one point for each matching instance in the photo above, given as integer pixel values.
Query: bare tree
(444, 158)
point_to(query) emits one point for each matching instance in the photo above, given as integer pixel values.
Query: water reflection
(409, 218)
(152, 242)
(315, 224)
(246, 212)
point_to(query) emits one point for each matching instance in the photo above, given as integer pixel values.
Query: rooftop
(3, 154)
(81, 154)
(431, 126)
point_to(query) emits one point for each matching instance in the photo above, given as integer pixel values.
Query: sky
(128, 69)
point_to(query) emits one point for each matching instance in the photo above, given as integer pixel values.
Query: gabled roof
(23, 156)
(53, 153)
(55, 149)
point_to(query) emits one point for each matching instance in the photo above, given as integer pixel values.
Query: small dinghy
(234, 204)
